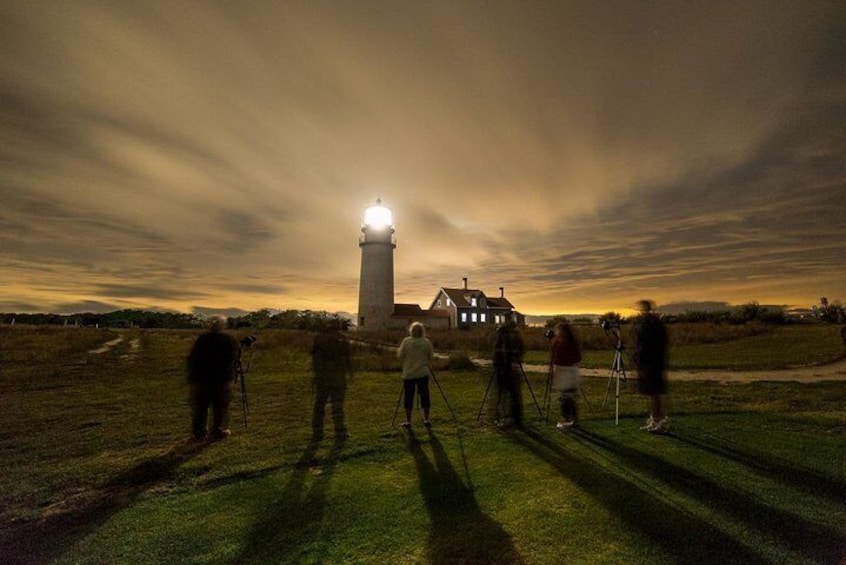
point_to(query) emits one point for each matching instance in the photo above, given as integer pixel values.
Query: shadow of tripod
(525, 378)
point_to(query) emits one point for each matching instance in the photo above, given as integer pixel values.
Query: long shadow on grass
(684, 536)
(292, 522)
(460, 531)
(47, 538)
(814, 541)
(765, 464)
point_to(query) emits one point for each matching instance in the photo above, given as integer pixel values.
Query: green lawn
(97, 469)
(783, 347)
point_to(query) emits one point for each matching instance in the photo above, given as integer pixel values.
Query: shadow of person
(817, 542)
(460, 531)
(291, 524)
(685, 537)
(765, 464)
(45, 539)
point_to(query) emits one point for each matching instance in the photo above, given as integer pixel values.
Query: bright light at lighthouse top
(378, 216)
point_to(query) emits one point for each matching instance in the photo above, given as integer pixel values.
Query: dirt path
(106, 346)
(831, 372)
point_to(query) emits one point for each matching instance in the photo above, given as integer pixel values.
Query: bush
(459, 361)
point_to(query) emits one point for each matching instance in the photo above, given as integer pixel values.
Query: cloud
(93, 306)
(582, 155)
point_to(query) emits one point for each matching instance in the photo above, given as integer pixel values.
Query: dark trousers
(422, 386)
(209, 395)
(329, 390)
(567, 398)
(508, 381)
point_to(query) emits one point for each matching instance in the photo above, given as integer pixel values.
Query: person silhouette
(507, 365)
(650, 357)
(211, 370)
(332, 365)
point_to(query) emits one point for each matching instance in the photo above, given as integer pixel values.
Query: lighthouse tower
(376, 291)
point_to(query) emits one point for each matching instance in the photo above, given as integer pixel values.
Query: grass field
(98, 469)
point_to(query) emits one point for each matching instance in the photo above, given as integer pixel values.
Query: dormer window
(449, 302)
(474, 302)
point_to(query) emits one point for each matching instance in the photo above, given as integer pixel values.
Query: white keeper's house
(470, 307)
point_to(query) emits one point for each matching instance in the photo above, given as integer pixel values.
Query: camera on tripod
(608, 326)
(248, 341)
(549, 334)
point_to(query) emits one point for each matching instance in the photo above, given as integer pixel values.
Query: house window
(484, 317)
(497, 319)
(464, 317)
(473, 302)
(473, 317)
(440, 303)
(449, 302)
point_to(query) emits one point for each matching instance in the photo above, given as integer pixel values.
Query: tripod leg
(531, 390)
(585, 398)
(437, 382)
(548, 396)
(607, 389)
(485, 398)
(617, 407)
(394, 419)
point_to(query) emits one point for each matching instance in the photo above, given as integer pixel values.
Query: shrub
(459, 361)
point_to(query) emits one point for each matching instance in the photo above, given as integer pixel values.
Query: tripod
(618, 372)
(440, 388)
(488, 388)
(241, 370)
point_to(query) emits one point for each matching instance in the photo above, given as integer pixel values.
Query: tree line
(743, 314)
(133, 318)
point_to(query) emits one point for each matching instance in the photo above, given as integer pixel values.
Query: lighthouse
(376, 290)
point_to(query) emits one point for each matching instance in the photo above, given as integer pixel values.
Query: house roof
(414, 311)
(460, 296)
(499, 302)
(407, 310)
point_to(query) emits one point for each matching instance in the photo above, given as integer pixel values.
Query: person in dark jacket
(650, 357)
(211, 370)
(332, 364)
(564, 357)
(507, 365)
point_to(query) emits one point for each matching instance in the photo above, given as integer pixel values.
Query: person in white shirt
(416, 354)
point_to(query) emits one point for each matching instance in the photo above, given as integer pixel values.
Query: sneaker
(564, 425)
(222, 433)
(650, 423)
(406, 425)
(428, 424)
(662, 427)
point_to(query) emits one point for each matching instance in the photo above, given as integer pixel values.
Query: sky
(584, 155)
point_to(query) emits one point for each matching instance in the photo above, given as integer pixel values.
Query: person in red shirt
(564, 357)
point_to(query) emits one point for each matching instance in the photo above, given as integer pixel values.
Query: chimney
(502, 292)
(465, 282)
